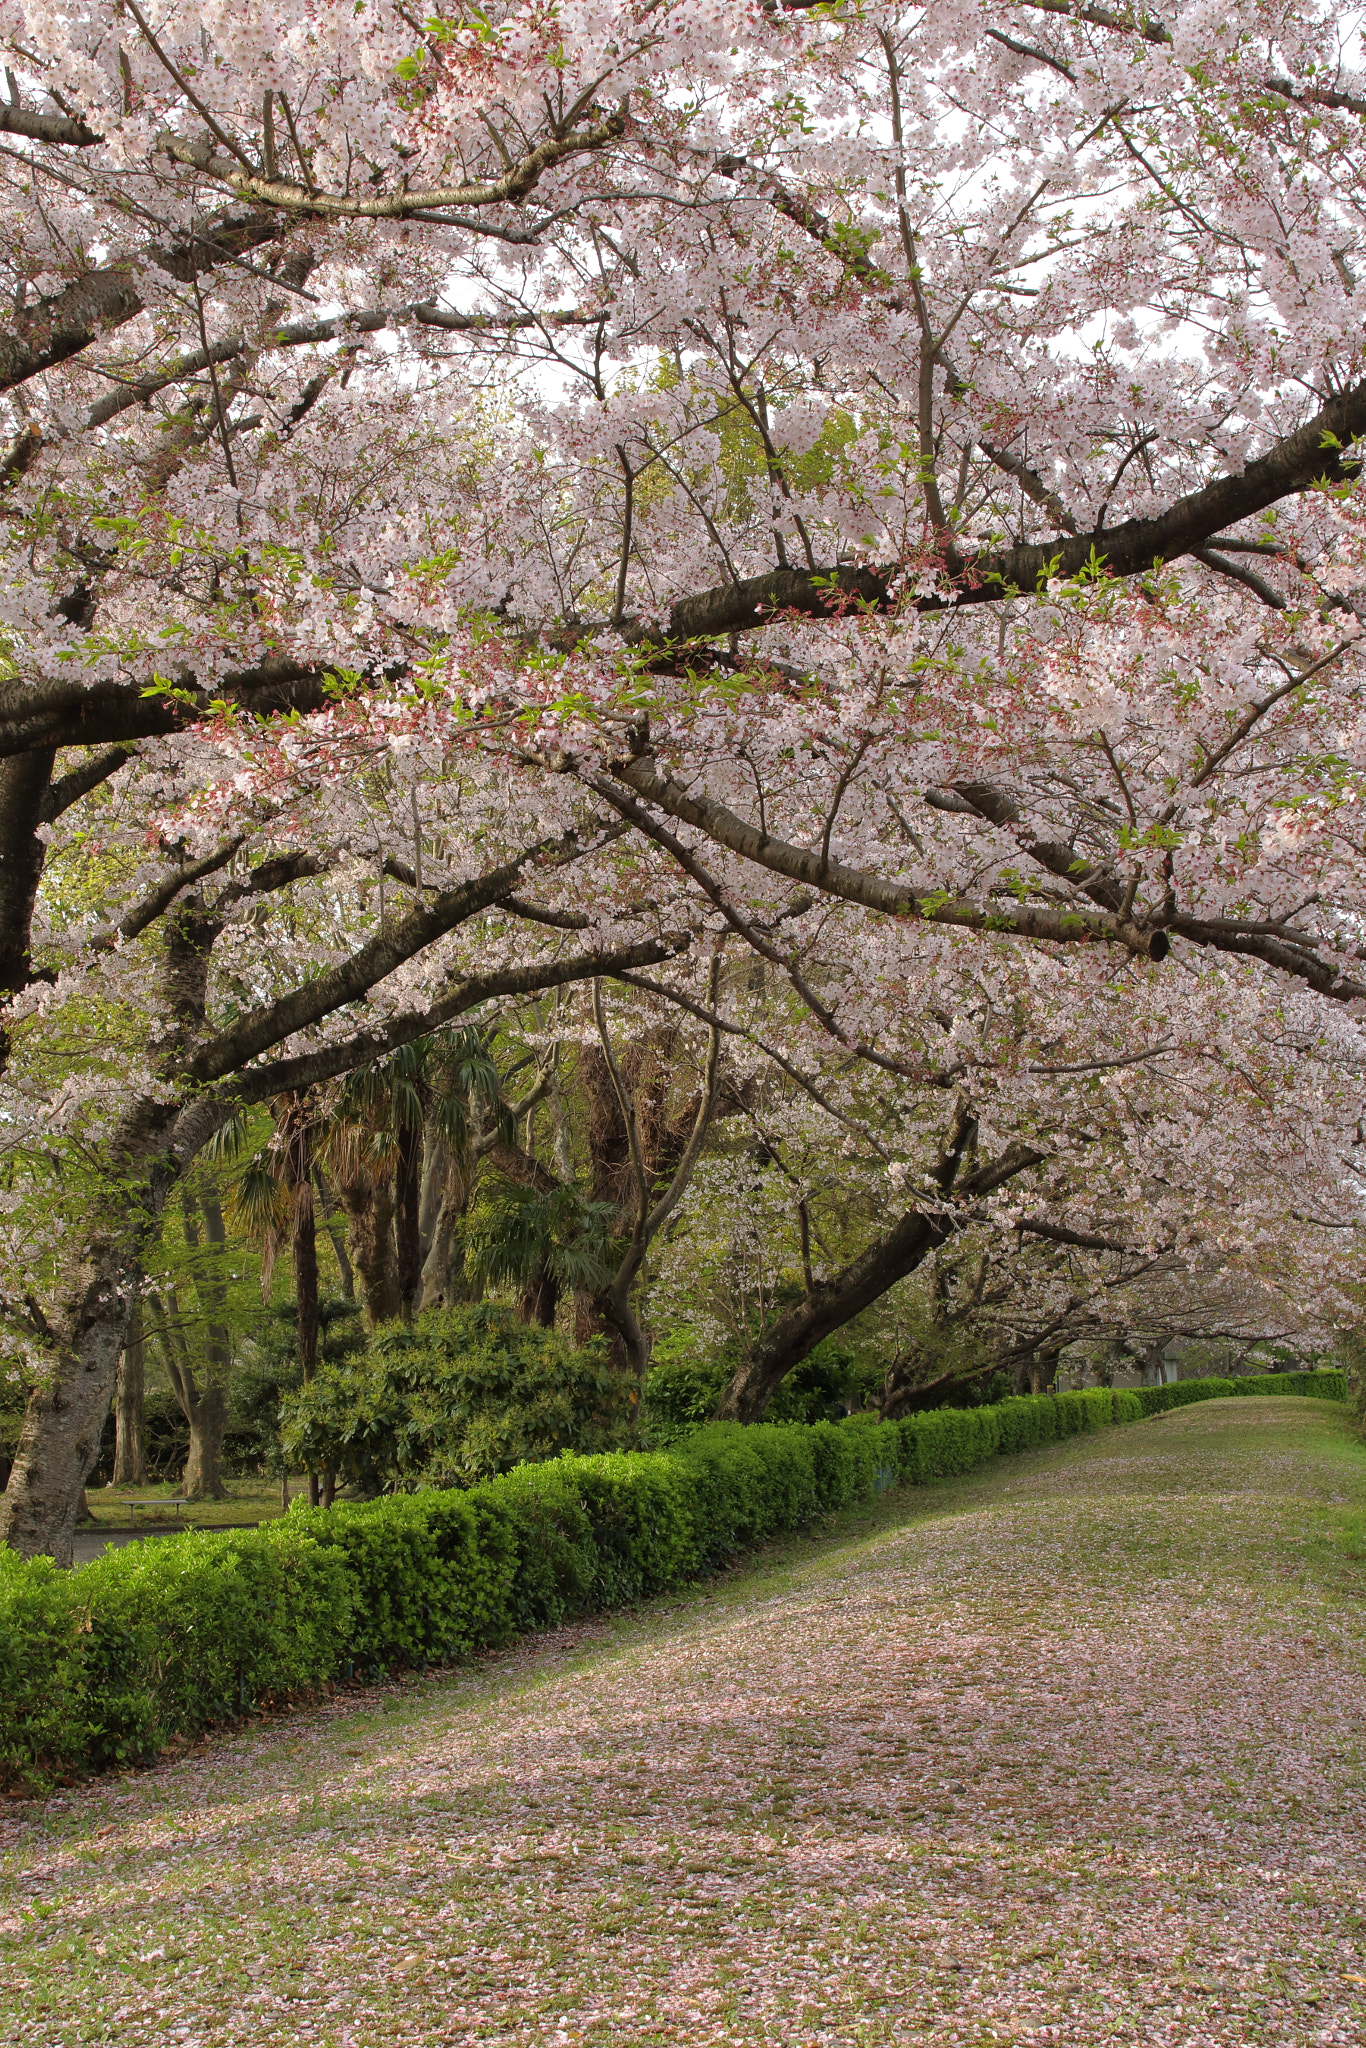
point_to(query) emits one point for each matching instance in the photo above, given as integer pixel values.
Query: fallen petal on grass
(1068, 1752)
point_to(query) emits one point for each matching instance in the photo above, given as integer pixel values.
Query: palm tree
(542, 1241)
(401, 1137)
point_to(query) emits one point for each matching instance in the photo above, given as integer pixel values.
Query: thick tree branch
(515, 184)
(893, 1255)
(1296, 463)
(60, 326)
(369, 964)
(259, 1083)
(832, 877)
(68, 789)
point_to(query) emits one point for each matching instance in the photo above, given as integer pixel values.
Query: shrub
(459, 1395)
(1027, 1420)
(188, 1631)
(940, 1442)
(1326, 1384)
(1157, 1400)
(1100, 1407)
(44, 1721)
(425, 1587)
(1127, 1406)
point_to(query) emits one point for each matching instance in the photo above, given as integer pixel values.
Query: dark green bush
(457, 1396)
(1157, 1400)
(188, 1631)
(1027, 1420)
(44, 1715)
(1326, 1385)
(940, 1442)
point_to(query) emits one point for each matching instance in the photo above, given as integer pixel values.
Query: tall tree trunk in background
(436, 1160)
(899, 1251)
(297, 1167)
(1043, 1372)
(303, 1234)
(207, 1414)
(206, 1408)
(130, 1440)
(540, 1299)
(327, 1207)
(368, 1199)
(408, 1217)
(443, 1268)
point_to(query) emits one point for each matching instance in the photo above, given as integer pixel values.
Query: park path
(1068, 1752)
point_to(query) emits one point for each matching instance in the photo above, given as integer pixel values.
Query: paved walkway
(89, 1543)
(1069, 1752)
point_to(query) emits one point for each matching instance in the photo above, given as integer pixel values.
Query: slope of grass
(1070, 1751)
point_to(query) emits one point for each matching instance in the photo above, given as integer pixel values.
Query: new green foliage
(458, 1395)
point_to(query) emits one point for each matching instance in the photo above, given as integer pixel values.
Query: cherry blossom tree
(503, 500)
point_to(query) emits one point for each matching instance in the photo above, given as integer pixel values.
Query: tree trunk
(833, 1303)
(345, 1271)
(408, 1217)
(443, 1273)
(130, 1445)
(830, 1305)
(540, 1299)
(60, 1438)
(207, 1415)
(1043, 1372)
(369, 1204)
(24, 781)
(206, 1411)
(436, 1163)
(303, 1240)
(84, 1333)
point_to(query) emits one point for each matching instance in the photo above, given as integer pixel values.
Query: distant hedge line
(109, 1664)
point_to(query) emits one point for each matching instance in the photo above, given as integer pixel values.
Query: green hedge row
(108, 1664)
(1326, 1386)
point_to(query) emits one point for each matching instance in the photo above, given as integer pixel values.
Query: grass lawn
(1070, 1751)
(125, 1507)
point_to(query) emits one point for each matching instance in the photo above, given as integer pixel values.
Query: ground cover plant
(1014, 1758)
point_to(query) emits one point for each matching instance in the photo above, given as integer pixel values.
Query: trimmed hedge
(1325, 1386)
(109, 1664)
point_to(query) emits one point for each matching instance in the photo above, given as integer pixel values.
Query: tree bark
(830, 1305)
(207, 1415)
(443, 1276)
(206, 1411)
(130, 1445)
(540, 1299)
(368, 1200)
(60, 1438)
(407, 1218)
(345, 1270)
(303, 1236)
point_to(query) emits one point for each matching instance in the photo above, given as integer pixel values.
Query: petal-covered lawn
(1071, 1751)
